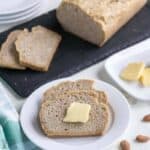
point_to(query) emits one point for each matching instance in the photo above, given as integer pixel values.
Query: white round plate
(16, 6)
(26, 17)
(19, 15)
(119, 124)
(115, 63)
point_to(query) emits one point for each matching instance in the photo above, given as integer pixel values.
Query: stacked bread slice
(24, 49)
(57, 99)
(8, 54)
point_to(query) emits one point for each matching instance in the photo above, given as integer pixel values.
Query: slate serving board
(73, 54)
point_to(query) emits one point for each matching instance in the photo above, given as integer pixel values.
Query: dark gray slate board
(73, 54)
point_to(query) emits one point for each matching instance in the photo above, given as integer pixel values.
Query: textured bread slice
(52, 113)
(96, 20)
(8, 54)
(36, 48)
(70, 87)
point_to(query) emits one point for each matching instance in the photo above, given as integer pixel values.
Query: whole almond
(142, 138)
(146, 118)
(124, 145)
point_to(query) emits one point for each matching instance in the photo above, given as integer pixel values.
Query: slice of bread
(52, 113)
(37, 48)
(69, 87)
(8, 54)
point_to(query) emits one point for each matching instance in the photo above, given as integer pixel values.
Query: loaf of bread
(8, 55)
(52, 113)
(96, 20)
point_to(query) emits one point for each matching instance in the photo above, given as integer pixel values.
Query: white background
(138, 109)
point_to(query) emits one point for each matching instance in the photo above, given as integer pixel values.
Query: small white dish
(119, 61)
(119, 124)
(19, 15)
(8, 7)
(26, 17)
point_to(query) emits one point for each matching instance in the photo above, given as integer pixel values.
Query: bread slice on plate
(37, 48)
(69, 87)
(52, 113)
(8, 54)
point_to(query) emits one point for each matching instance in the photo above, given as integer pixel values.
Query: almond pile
(125, 145)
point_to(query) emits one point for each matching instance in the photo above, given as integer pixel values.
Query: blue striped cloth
(11, 135)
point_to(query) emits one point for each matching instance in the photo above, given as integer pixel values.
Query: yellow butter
(145, 78)
(133, 71)
(77, 112)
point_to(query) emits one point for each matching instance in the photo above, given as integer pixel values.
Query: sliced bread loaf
(52, 113)
(36, 48)
(8, 54)
(96, 20)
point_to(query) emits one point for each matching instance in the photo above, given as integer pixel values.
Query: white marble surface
(138, 109)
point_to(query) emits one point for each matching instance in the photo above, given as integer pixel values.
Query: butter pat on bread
(133, 71)
(77, 112)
